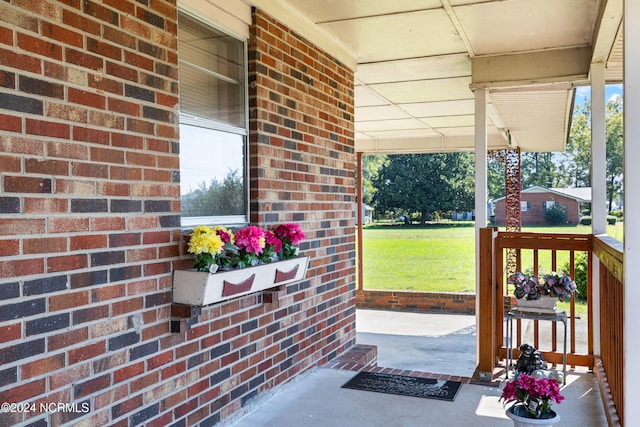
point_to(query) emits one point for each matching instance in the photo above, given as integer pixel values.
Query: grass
(437, 258)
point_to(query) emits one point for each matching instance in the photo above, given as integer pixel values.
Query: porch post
(359, 222)
(598, 184)
(631, 113)
(481, 187)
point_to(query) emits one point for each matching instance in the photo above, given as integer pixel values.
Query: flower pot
(202, 288)
(520, 421)
(544, 304)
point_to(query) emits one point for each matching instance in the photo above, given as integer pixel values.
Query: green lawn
(437, 258)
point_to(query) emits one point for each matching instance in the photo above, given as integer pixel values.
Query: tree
(579, 147)
(615, 160)
(371, 164)
(425, 183)
(226, 198)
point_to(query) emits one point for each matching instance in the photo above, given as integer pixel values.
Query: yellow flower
(205, 240)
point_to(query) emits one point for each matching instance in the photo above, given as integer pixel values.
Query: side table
(555, 316)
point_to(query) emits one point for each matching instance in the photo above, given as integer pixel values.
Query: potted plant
(229, 264)
(532, 399)
(533, 294)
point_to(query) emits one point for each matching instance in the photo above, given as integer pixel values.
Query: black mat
(405, 386)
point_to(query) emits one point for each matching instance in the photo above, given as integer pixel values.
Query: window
(548, 205)
(524, 206)
(213, 125)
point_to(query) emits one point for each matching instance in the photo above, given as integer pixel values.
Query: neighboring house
(535, 201)
(367, 214)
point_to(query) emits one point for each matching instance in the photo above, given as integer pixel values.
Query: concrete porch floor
(418, 344)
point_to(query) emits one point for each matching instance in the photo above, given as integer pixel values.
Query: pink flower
(251, 238)
(291, 232)
(273, 241)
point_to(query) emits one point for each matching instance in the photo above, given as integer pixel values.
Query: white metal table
(555, 316)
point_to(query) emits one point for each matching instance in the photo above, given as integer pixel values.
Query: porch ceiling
(417, 62)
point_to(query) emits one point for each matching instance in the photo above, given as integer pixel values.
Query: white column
(598, 151)
(598, 182)
(481, 182)
(631, 206)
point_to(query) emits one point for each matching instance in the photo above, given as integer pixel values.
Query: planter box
(544, 304)
(201, 288)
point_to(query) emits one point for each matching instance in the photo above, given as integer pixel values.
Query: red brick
(124, 107)
(105, 293)
(11, 227)
(83, 59)
(90, 135)
(106, 50)
(44, 245)
(22, 146)
(140, 126)
(39, 46)
(10, 123)
(80, 22)
(87, 352)
(6, 36)
(88, 241)
(21, 267)
(125, 173)
(22, 184)
(9, 58)
(11, 332)
(24, 392)
(106, 84)
(9, 247)
(62, 34)
(106, 155)
(128, 306)
(84, 97)
(114, 189)
(138, 255)
(119, 37)
(138, 61)
(67, 263)
(45, 9)
(46, 167)
(122, 72)
(41, 366)
(108, 224)
(109, 397)
(90, 170)
(144, 382)
(45, 128)
(67, 339)
(45, 205)
(10, 163)
(68, 300)
(128, 372)
(134, 26)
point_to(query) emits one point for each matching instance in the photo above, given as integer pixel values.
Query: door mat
(405, 386)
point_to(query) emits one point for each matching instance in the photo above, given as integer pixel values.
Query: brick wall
(89, 219)
(435, 302)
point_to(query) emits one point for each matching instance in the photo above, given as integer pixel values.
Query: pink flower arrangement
(532, 396)
(251, 238)
(218, 247)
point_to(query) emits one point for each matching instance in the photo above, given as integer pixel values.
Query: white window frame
(189, 119)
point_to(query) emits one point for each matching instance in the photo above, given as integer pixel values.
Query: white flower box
(202, 288)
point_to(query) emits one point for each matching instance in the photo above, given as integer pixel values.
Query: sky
(610, 92)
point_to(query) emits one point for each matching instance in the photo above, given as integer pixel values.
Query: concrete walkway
(436, 343)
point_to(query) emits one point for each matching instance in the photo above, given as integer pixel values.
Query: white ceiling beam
(435, 144)
(608, 25)
(532, 68)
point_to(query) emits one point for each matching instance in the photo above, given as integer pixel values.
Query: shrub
(580, 274)
(586, 220)
(556, 214)
(618, 214)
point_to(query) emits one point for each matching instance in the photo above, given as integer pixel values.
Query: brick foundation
(423, 301)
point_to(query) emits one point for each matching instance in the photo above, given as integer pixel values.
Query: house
(534, 202)
(117, 116)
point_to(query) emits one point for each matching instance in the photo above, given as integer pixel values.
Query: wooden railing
(609, 252)
(540, 253)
